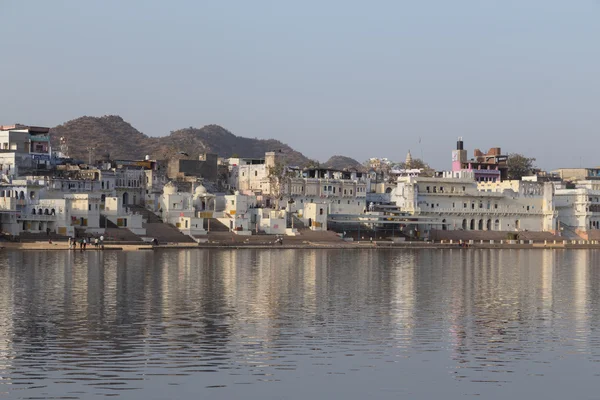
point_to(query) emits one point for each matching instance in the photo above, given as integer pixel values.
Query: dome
(170, 188)
(200, 191)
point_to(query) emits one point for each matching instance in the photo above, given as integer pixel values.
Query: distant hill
(107, 134)
(343, 162)
(111, 134)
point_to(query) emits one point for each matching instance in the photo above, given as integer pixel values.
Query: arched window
(464, 224)
(40, 211)
(46, 212)
(489, 225)
(444, 227)
(472, 224)
(33, 211)
(22, 195)
(480, 225)
(497, 225)
(53, 212)
(32, 195)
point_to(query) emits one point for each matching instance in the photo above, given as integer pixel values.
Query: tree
(417, 163)
(519, 166)
(280, 178)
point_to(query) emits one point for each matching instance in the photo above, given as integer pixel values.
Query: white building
(185, 210)
(456, 201)
(579, 208)
(23, 149)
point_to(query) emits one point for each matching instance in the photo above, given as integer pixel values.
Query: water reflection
(78, 324)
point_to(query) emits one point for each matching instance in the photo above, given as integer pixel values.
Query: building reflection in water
(129, 316)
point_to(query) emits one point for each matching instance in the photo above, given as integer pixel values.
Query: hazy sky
(358, 78)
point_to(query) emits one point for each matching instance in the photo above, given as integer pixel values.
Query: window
(432, 206)
(89, 207)
(472, 206)
(495, 205)
(350, 191)
(320, 211)
(464, 205)
(255, 173)
(233, 202)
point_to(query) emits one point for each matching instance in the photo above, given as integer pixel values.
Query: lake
(297, 324)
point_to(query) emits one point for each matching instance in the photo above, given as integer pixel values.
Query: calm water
(297, 324)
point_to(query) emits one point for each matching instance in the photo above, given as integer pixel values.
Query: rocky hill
(343, 162)
(111, 134)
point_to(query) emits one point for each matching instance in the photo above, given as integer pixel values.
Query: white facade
(579, 208)
(84, 210)
(457, 202)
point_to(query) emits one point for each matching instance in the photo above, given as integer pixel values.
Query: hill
(111, 134)
(107, 134)
(343, 162)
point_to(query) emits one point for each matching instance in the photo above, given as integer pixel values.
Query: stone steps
(166, 233)
(215, 225)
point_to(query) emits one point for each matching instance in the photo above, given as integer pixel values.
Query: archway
(489, 225)
(464, 224)
(125, 198)
(472, 225)
(444, 227)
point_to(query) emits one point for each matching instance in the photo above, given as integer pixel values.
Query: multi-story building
(455, 201)
(24, 149)
(489, 167)
(579, 208)
(279, 186)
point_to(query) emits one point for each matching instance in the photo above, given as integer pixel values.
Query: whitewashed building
(579, 208)
(455, 201)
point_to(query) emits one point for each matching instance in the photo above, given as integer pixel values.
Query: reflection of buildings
(403, 296)
(6, 319)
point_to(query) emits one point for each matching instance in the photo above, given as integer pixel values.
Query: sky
(355, 78)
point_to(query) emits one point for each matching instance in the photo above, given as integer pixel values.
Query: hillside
(111, 134)
(343, 162)
(107, 134)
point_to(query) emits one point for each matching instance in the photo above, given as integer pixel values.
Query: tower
(408, 161)
(459, 155)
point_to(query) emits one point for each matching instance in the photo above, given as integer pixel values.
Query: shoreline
(63, 246)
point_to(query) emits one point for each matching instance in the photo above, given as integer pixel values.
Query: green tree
(519, 166)
(417, 163)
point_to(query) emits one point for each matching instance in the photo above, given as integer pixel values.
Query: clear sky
(358, 78)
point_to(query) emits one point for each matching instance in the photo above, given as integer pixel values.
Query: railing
(40, 217)
(494, 211)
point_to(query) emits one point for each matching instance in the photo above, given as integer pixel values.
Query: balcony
(42, 217)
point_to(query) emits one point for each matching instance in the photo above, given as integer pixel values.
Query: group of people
(84, 241)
